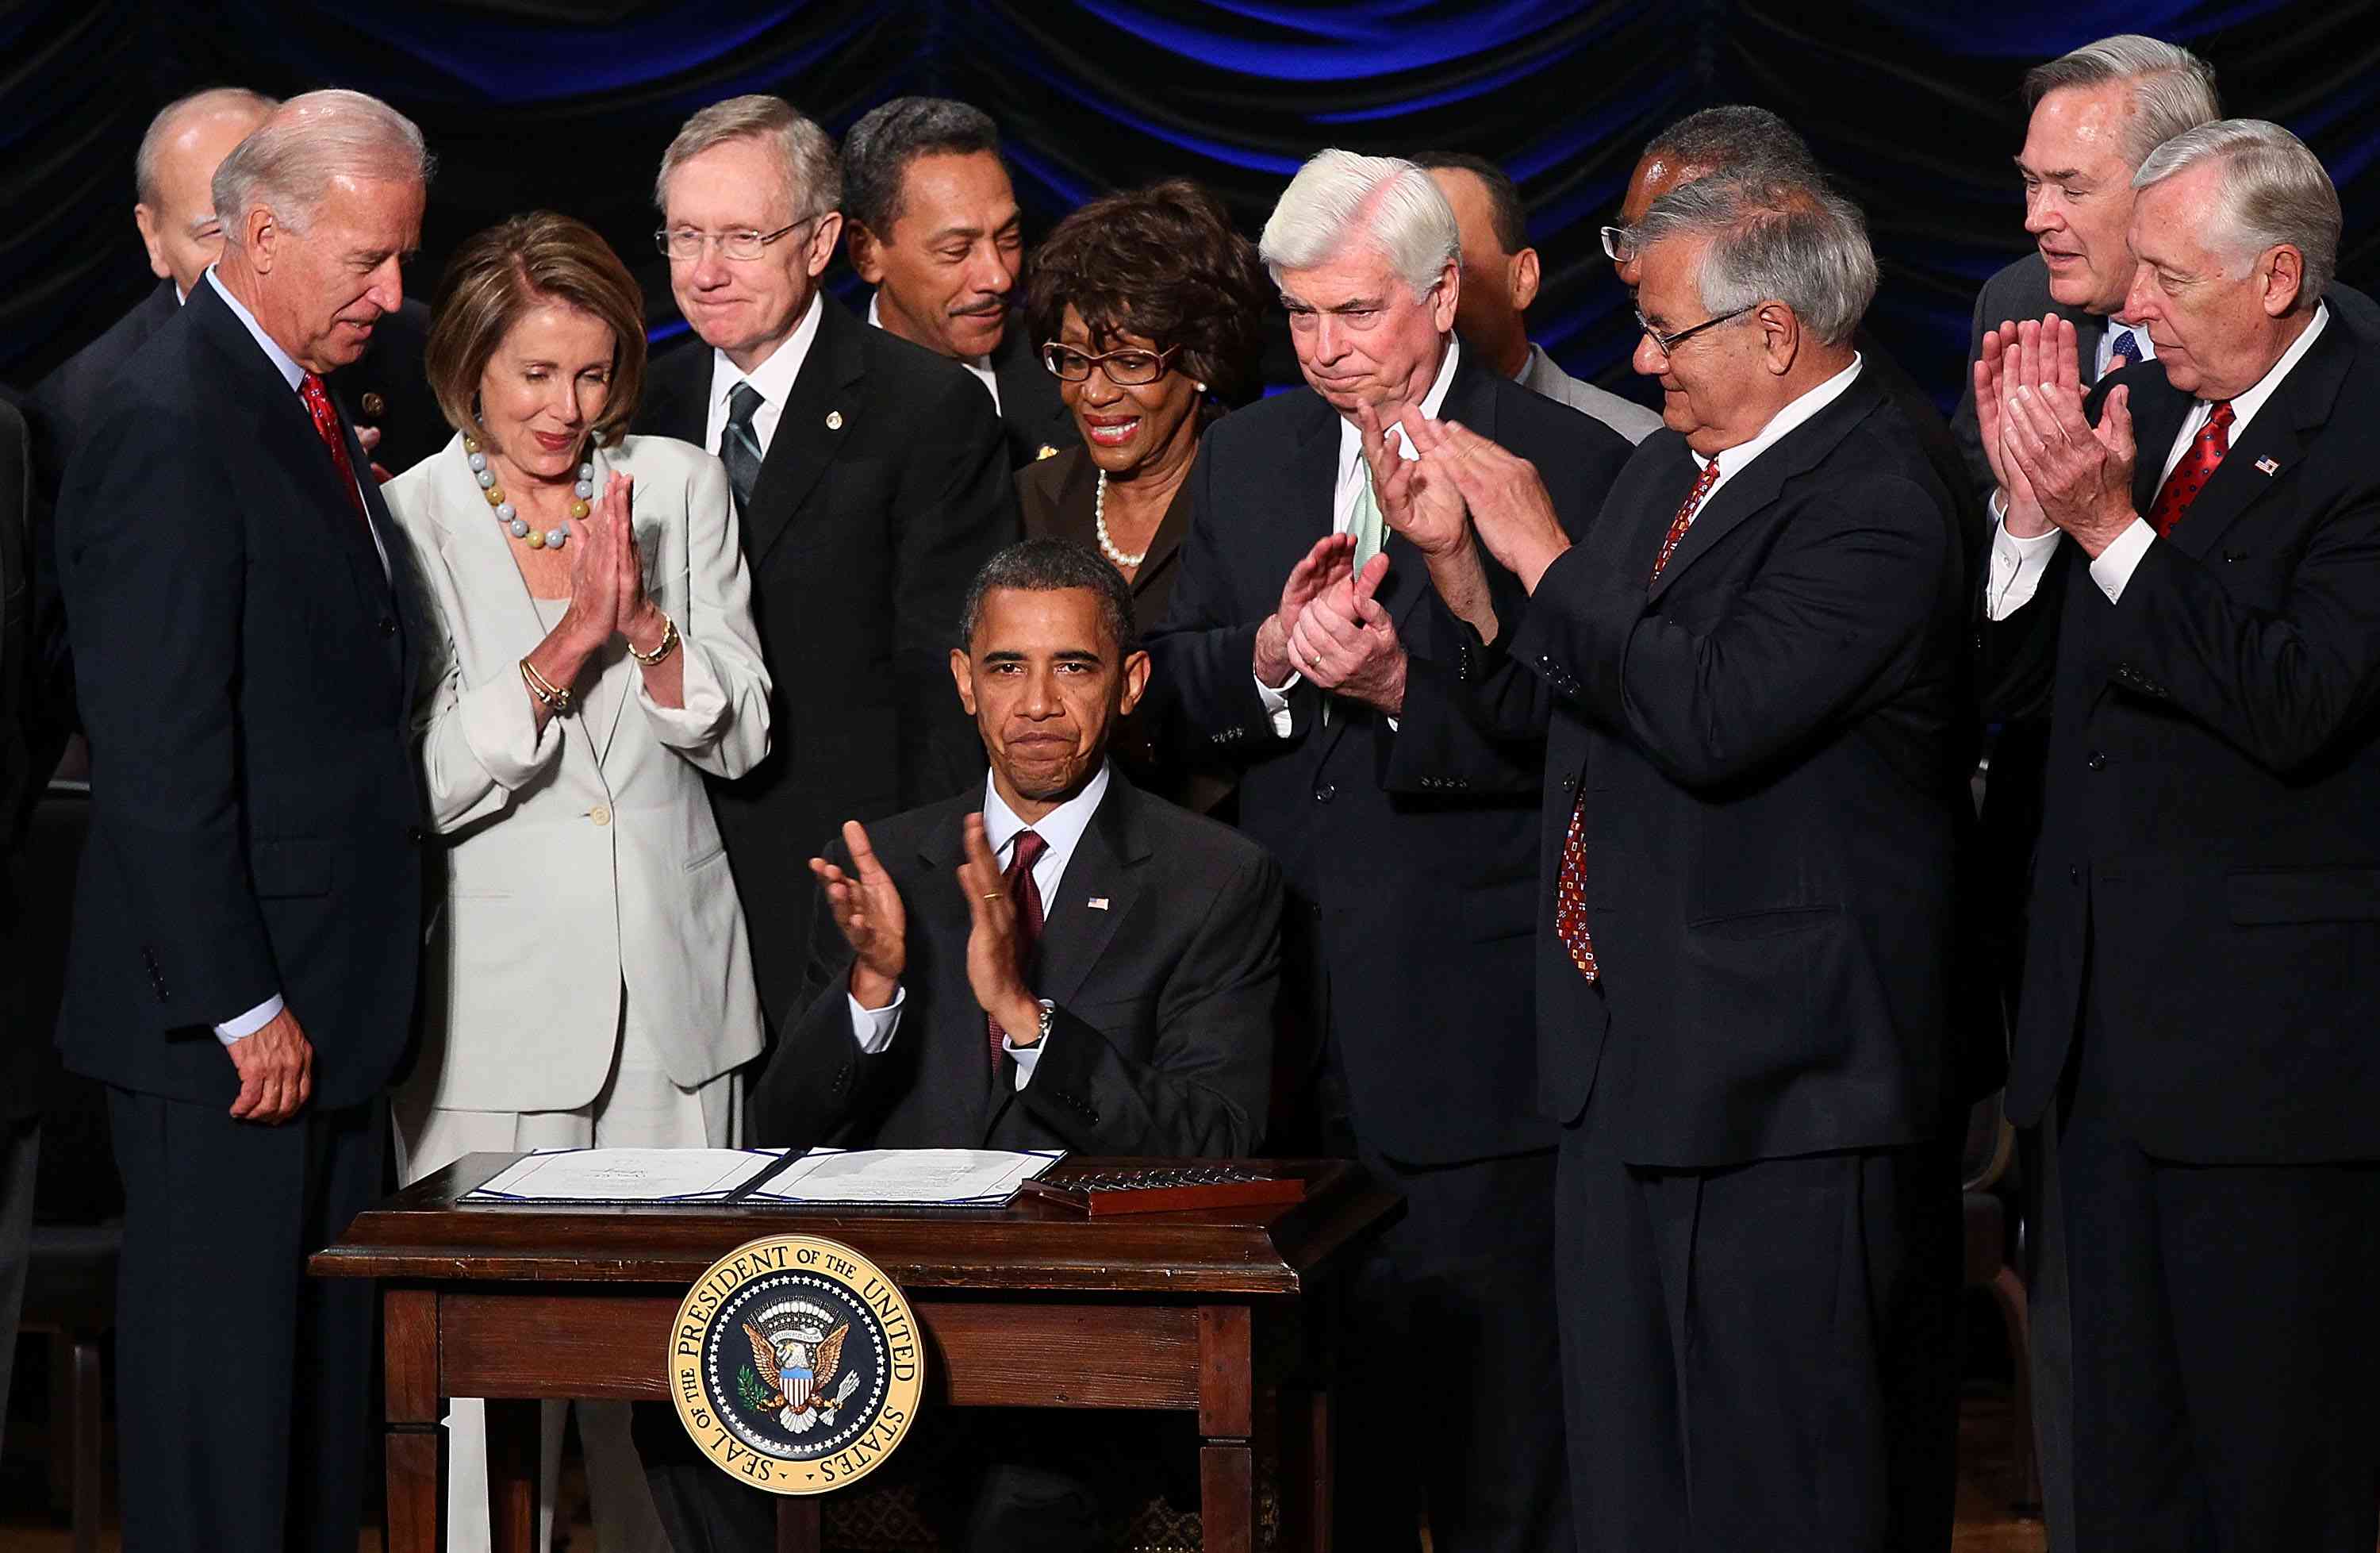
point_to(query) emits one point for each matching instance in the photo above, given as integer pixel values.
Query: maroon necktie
(2189, 477)
(1569, 892)
(327, 427)
(1026, 896)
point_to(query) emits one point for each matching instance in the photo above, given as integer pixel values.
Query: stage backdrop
(1912, 105)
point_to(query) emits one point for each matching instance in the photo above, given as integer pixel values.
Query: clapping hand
(868, 909)
(1510, 506)
(1418, 499)
(1328, 562)
(994, 957)
(1344, 640)
(607, 575)
(2079, 476)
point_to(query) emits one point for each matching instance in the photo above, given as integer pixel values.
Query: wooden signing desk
(1025, 1306)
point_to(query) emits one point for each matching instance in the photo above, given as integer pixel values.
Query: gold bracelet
(668, 644)
(551, 696)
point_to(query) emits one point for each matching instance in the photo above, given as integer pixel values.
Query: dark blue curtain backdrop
(1913, 103)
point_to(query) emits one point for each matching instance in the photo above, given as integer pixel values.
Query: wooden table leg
(1304, 1463)
(797, 1524)
(1226, 1418)
(513, 1429)
(414, 1443)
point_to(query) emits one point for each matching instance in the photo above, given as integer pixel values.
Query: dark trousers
(242, 1385)
(2226, 1355)
(1011, 1480)
(1447, 1399)
(1725, 1340)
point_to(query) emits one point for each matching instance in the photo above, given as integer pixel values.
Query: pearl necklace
(1100, 520)
(509, 516)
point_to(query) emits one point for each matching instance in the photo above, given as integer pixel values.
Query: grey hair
(1339, 197)
(2173, 89)
(2275, 191)
(813, 179)
(1798, 244)
(1743, 140)
(885, 140)
(214, 99)
(1051, 565)
(288, 162)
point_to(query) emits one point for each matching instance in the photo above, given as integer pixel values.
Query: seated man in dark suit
(935, 228)
(1054, 960)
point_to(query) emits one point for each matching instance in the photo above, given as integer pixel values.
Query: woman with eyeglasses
(1150, 309)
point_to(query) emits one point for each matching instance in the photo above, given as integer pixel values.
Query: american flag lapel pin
(1098, 903)
(2270, 466)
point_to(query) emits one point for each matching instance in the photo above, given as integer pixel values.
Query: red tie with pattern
(1569, 892)
(1026, 896)
(2189, 477)
(327, 427)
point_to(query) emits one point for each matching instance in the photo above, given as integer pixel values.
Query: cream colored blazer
(583, 863)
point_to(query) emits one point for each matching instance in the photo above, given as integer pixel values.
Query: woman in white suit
(589, 982)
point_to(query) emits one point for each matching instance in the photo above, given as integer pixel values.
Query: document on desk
(628, 1175)
(916, 1178)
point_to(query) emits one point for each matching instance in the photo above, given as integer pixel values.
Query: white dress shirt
(1345, 493)
(773, 380)
(2017, 564)
(979, 365)
(292, 373)
(1061, 831)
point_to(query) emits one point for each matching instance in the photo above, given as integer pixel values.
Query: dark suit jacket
(2021, 290)
(2208, 875)
(862, 537)
(1410, 853)
(20, 1052)
(385, 387)
(1032, 417)
(1161, 1037)
(1772, 743)
(246, 686)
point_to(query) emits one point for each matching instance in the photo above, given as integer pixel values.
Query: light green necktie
(1365, 522)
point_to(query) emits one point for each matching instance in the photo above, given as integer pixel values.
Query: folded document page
(627, 1174)
(929, 1177)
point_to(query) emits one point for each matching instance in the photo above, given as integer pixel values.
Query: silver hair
(2274, 191)
(1793, 243)
(813, 178)
(1339, 197)
(2173, 89)
(214, 99)
(287, 165)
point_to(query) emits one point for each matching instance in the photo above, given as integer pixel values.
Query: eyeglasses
(685, 245)
(1620, 244)
(1668, 344)
(1125, 369)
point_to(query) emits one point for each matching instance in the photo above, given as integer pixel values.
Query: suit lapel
(676, 403)
(819, 413)
(1760, 482)
(2257, 460)
(1105, 868)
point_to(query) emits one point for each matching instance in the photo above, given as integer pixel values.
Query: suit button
(413, 836)
(1569, 782)
(387, 626)
(600, 814)
(2073, 874)
(375, 406)
(2096, 762)
(1324, 792)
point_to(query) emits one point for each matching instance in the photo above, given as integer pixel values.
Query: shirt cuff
(874, 1028)
(2117, 563)
(249, 1023)
(1026, 1057)
(1276, 703)
(2016, 567)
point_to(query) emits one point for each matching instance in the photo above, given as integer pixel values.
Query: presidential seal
(795, 1364)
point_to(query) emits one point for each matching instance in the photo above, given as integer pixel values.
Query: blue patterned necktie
(2122, 350)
